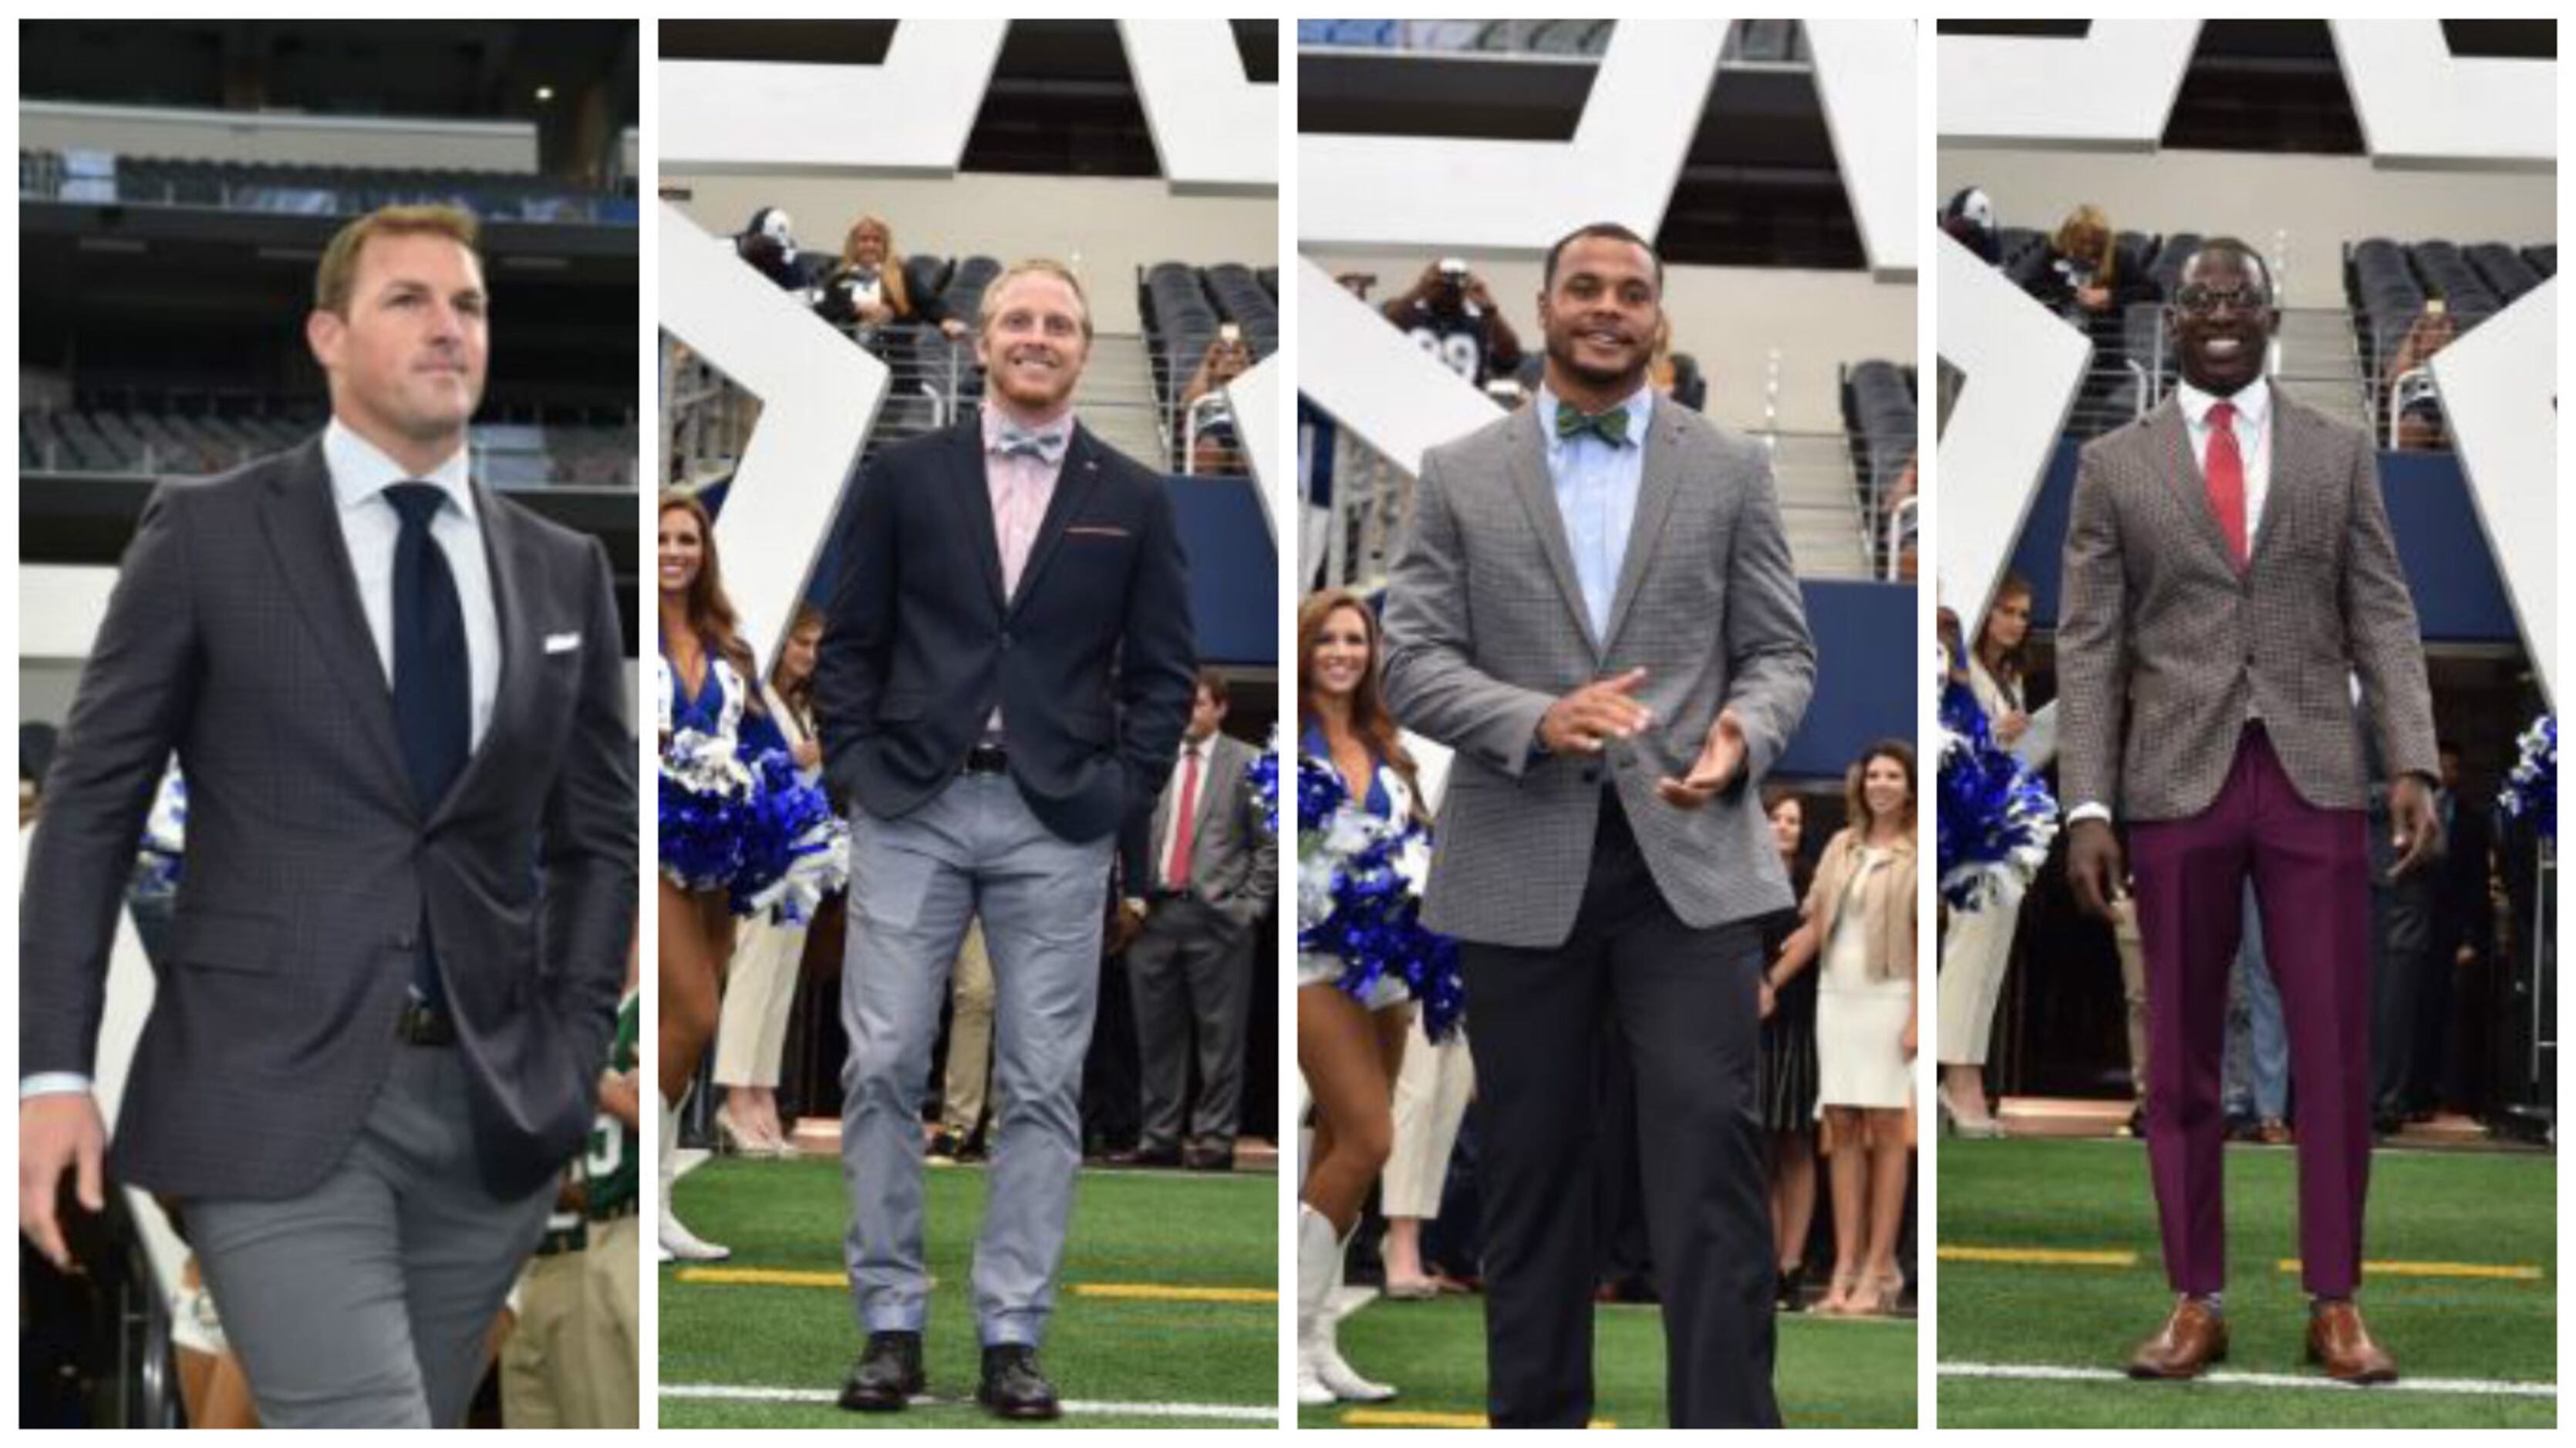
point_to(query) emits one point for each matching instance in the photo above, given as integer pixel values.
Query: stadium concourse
(177, 185)
(2406, 297)
(1165, 1310)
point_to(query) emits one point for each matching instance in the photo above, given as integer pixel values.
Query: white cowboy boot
(1319, 1261)
(1336, 1375)
(678, 1243)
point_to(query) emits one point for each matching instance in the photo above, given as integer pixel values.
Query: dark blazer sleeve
(1158, 654)
(136, 694)
(858, 629)
(589, 855)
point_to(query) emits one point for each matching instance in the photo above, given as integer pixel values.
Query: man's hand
(1129, 925)
(619, 1097)
(2094, 866)
(1720, 759)
(2415, 830)
(1603, 710)
(58, 1133)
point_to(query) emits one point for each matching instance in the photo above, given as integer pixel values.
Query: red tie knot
(2223, 415)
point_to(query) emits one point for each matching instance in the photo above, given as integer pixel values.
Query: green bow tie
(1573, 422)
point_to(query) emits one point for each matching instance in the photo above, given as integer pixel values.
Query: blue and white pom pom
(1263, 773)
(794, 850)
(1994, 816)
(165, 838)
(1360, 878)
(2531, 791)
(705, 793)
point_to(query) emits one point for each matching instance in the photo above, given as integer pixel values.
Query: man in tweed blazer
(409, 888)
(2229, 571)
(1595, 609)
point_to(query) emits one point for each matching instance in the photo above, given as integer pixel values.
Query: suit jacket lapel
(2172, 437)
(303, 528)
(973, 499)
(1073, 484)
(1662, 482)
(518, 633)
(1526, 451)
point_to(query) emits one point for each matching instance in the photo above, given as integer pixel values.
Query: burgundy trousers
(2310, 868)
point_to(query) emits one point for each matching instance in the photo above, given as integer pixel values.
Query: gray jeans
(973, 851)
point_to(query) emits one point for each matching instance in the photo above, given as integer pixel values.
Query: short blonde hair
(1035, 266)
(337, 276)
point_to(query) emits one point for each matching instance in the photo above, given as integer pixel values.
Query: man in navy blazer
(1002, 687)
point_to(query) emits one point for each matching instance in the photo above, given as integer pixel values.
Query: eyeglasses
(2200, 301)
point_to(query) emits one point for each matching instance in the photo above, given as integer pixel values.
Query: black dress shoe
(886, 1376)
(1013, 1387)
(944, 1148)
(1210, 1159)
(1146, 1157)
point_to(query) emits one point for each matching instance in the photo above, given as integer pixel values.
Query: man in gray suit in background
(1596, 610)
(1211, 875)
(394, 969)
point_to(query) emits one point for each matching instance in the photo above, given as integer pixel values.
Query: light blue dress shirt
(1596, 487)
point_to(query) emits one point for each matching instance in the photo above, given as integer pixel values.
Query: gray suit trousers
(974, 850)
(365, 1302)
(1190, 973)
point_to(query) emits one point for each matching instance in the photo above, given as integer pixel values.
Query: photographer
(1451, 314)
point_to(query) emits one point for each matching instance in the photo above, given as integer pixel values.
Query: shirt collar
(1639, 405)
(360, 470)
(2253, 403)
(993, 419)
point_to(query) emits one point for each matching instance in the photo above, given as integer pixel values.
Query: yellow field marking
(2038, 1256)
(1124, 1291)
(1147, 1292)
(2480, 1270)
(1390, 1418)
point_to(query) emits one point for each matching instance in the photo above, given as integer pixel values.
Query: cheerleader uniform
(1388, 798)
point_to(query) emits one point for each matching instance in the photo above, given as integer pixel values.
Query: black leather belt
(987, 759)
(422, 1026)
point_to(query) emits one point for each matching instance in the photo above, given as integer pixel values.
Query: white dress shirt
(360, 473)
(2253, 428)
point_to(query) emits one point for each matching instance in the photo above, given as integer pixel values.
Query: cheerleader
(1351, 1020)
(739, 831)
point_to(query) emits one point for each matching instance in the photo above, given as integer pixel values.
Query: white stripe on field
(727, 1392)
(2040, 1372)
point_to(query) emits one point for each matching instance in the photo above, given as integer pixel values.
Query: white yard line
(726, 1392)
(2042, 1372)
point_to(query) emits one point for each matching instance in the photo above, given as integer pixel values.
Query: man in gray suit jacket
(380, 1028)
(1596, 610)
(1211, 871)
(2229, 571)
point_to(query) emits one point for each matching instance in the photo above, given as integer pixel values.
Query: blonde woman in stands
(867, 288)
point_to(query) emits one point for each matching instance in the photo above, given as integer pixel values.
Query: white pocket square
(562, 643)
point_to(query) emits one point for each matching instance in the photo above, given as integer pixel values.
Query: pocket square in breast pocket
(1094, 530)
(563, 643)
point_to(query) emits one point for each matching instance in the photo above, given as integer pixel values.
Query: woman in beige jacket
(1860, 920)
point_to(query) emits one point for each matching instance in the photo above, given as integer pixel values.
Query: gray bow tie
(1046, 445)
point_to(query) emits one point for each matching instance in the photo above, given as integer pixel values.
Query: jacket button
(406, 941)
(1592, 774)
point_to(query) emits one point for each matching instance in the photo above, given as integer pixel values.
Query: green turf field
(2489, 1210)
(1169, 1362)
(1855, 1373)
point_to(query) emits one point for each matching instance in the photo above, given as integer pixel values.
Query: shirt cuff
(53, 1083)
(2091, 809)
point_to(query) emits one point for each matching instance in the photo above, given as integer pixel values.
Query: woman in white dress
(1860, 918)
(1978, 944)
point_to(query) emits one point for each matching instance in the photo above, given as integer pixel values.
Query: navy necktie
(432, 690)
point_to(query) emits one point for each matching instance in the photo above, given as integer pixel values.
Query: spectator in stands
(2080, 276)
(1451, 314)
(1969, 219)
(769, 247)
(1859, 922)
(1789, 1061)
(1978, 945)
(867, 288)
(768, 950)
(1219, 450)
(2417, 405)
(1211, 875)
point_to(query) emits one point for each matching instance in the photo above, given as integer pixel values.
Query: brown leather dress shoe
(2191, 1339)
(2339, 1343)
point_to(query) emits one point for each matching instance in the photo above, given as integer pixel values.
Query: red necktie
(1176, 872)
(2226, 469)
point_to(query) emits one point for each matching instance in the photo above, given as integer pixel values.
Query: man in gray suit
(2229, 569)
(1596, 610)
(1210, 878)
(410, 873)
